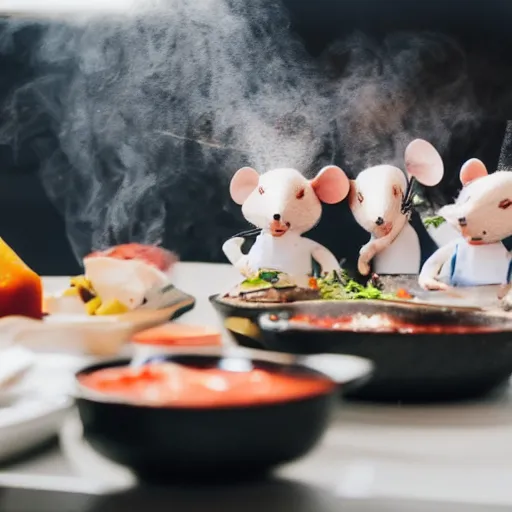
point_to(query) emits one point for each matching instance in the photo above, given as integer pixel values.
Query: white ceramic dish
(84, 334)
(32, 410)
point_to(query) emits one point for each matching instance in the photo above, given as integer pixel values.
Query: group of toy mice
(283, 205)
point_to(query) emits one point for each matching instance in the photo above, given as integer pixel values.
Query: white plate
(32, 410)
(83, 334)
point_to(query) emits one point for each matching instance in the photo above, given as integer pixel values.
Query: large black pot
(408, 367)
(196, 443)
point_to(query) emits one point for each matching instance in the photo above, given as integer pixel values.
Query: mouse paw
(363, 266)
(430, 283)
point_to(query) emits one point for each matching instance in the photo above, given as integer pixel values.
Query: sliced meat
(160, 258)
(281, 295)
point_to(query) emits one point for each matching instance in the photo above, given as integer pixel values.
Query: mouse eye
(300, 194)
(396, 191)
(360, 197)
(505, 204)
(260, 190)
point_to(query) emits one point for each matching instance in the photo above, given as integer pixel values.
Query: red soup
(381, 323)
(165, 384)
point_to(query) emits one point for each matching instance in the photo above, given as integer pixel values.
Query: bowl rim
(83, 393)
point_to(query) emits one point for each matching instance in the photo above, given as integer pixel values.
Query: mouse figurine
(283, 205)
(381, 201)
(482, 213)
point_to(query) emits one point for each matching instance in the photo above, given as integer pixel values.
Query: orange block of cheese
(21, 289)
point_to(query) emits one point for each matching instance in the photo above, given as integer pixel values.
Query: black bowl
(210, 443)
(408, 367)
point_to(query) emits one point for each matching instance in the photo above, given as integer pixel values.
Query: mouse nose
(462, 222)
(379, 221)
(277, 216)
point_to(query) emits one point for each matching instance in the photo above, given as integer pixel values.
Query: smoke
(387, 93)
(148, 115)
(127, 97)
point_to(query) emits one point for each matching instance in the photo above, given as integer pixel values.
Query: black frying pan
(194, 443)
(408, 367)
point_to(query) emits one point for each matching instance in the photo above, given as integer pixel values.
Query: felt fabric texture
(477, 265)
(485, 204)
(402, 256)
(483, 214)
(284, 205)
(290, 253)
(375, 194)
(377, 199)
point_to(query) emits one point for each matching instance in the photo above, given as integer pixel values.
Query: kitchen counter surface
(374, 457)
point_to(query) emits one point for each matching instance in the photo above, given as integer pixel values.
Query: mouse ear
(331, 185)
(243, 183)
(472, 170)
(423, 162)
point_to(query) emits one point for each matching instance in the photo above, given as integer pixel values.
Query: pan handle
(244, 327)
(340, 368)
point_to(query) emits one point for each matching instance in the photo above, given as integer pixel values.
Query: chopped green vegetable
(255, 282)
(270, 276)
(265, 279)
(435, 221)
(338, 286)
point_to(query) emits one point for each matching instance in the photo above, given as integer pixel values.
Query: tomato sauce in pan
(387, 324)
(164, 384)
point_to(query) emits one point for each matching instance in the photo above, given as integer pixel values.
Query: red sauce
(403, 294)
(388, 324)
(166, 384)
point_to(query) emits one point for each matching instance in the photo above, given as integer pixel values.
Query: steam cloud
(152, 113)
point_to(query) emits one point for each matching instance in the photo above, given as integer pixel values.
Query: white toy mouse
(381, 201)
(284, 204)
(482, 214)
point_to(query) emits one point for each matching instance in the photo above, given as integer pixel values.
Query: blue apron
(478, 265)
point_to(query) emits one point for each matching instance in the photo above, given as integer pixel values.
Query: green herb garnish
(435, 221)
(338, 286)
(271, 276)
(265, 279)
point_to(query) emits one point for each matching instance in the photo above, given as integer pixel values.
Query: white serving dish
(32, 410)
(81, 334)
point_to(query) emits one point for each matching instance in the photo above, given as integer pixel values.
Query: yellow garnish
(114, 307)
(81, 282)
(93, 305)
(71, 292)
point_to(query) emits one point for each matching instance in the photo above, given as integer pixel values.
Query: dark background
(30, 223)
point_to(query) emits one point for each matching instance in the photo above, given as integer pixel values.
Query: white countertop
(459, 453)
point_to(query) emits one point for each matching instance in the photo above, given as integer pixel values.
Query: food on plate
(384, 323)
(171, 385)
(118, 280)
(21, 289)
(269, 285)
(158, 257)
(82, 288)
(272, 286)
(179, 335)
(337, 285)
